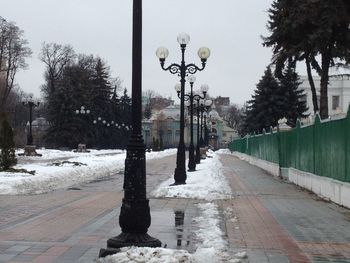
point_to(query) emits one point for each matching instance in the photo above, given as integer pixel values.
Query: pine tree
(267, 105)
(7, 145)
(296, 107)
(147, 111)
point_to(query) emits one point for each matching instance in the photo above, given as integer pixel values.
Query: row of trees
(72, 81)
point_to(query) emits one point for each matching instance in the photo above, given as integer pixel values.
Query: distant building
(165, 124)
(338, 93)
(222, 101)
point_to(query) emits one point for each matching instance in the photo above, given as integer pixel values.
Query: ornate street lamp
(190, 97)
(182, 70)
(135, 218)
(203, 106)
(31, 104)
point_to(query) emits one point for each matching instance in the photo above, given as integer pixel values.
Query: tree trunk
(312, 85)
(324, 84)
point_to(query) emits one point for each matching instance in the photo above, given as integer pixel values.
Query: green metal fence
(322, 148)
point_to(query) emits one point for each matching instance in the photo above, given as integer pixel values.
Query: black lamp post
(83, 111)
(135, 217)
(182, 70)
(198, 154)
(31, 104)
(203, 106)
(190, 98)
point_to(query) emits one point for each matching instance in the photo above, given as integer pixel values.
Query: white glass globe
(191, 78)
(208, 103)
(77, 111)
(204, 88)
(162, 53)
(183, 39)
(178, 87)
(204, 53)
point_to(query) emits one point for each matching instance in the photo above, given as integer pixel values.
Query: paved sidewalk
(272, 220)
(279, 222)
(71, 225)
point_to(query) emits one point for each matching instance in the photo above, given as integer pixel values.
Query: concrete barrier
(327, 188)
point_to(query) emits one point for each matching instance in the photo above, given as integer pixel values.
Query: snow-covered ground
(207, 183)
(61, 169)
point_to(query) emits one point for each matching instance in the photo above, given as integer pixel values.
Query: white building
(338, 93)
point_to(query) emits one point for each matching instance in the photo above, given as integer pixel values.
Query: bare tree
(233, 117)
(13, 52)
(56, 57)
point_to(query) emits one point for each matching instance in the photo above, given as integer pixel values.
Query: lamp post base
(127, 240)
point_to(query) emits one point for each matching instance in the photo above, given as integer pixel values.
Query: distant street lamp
(31, 104)
(203, 106)
(135, 217)
(190, 98)
(182, 70)
(83, 111)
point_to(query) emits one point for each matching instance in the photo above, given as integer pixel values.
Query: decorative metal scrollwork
(173, 68)
(192, 69)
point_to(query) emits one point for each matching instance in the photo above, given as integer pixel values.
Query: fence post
(316, 145)
(297, 157)
(347, 144)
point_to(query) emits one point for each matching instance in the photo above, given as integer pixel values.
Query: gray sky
(230, 28)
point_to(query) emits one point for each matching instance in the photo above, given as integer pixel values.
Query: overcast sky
(230, 28)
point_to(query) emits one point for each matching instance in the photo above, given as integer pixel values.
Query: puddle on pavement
(174, 228)
(179, 223)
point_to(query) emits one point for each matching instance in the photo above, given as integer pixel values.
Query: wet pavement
(72, 225)
(272, 220)
(275, 221)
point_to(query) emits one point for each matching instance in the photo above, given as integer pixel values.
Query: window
(335, 102)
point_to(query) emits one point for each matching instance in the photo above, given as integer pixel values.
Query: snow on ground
(77, 168)
(210, 240)
(207, 182)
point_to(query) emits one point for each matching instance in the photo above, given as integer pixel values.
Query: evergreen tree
(308, 30)
(147, 111)
(67, 129)
(125, 117)
(7, 145)
(296, 106)
(267, 106)
(101, 101)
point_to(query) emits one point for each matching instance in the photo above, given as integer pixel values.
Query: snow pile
(52, 173)
(149, 255)
(207, 183)
(211, 245)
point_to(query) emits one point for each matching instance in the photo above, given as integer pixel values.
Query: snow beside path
(48, 177)
(207, 182)
(211, 245)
